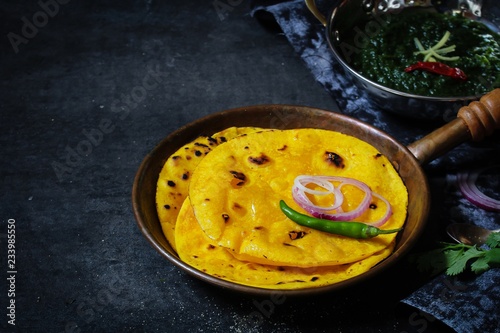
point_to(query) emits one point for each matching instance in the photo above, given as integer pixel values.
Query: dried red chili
(438, 68)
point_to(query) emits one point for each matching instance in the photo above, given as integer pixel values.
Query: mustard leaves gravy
(393, 48)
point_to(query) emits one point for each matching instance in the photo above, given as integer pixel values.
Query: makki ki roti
(199, 251)
(235, 193)
(173, 181)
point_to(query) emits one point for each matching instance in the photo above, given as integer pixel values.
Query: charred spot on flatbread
(262, 159)
(238, 180)
(296, 234)
(334, 159)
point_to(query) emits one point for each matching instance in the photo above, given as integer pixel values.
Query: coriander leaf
(493, 256)
(480, 265)
(459, 262)
(493, 240)
(453, 254)
(454, 258)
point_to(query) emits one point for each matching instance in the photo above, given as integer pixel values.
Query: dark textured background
(82, 263)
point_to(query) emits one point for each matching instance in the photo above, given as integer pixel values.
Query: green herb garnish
(456, 258)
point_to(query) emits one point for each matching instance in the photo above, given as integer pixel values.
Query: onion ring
(334, 212)
(467, 183)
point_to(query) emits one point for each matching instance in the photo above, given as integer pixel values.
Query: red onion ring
(300, 189)
(334, 212)
(387, 214)
(467, 184)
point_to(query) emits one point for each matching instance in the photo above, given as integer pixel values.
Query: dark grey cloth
(465, 304)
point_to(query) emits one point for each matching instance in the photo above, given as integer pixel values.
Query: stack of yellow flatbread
(218, 203)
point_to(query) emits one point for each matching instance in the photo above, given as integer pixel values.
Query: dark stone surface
(83, 100)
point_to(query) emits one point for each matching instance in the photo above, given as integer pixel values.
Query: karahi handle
(474, 122)
(311, 5)
(482, 117)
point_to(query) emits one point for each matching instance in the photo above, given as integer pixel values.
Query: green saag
(475, 50)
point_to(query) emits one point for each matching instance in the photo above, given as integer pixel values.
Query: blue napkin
(466, 305)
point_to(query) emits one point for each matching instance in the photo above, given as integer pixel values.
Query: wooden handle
(474, 122)
(482, 117)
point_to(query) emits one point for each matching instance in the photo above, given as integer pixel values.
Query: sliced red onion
(387, 214)
(300, 189)
(334, 212)
(302, 199)
(301, 181)
(467, 184)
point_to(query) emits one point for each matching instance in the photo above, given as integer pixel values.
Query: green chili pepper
(348, 229)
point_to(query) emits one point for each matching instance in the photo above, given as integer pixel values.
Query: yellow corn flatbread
(197, 250)
(235, 192)
(173, 182)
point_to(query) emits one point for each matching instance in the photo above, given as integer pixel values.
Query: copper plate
(280, 117)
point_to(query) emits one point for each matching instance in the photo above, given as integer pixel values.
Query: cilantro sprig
(456, 258)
